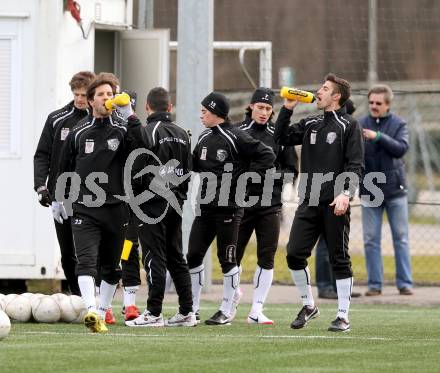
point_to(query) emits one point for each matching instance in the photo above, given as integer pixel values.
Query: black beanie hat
(217, 104)
(264, 95)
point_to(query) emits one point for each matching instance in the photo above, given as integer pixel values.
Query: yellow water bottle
(122, 99)
(297, 94)
(126, 249)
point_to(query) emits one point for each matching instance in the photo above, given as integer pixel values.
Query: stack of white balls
(40, 308)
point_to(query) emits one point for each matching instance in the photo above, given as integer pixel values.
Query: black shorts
(99, 234)
(265, 221)
(222, 223)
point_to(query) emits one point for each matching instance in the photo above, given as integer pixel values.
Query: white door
(144, 63)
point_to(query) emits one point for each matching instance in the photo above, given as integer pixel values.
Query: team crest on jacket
(89, 146)
(113, 144)
(331, 137)
(64, 133)
(221, 155)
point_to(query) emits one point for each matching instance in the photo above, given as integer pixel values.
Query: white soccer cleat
(181, 320)
(235, 302)
(259, 319)
(146, 319)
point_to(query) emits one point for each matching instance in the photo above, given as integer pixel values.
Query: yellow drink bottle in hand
(122, 99)
(297, 95)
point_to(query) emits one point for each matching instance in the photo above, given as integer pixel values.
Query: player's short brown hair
(109, 76)
(81, 80)
(342, 86)
(96, 83)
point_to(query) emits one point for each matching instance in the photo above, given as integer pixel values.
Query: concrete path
(423, 296)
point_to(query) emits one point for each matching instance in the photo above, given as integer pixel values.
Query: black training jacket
(331, 142)
(168, 142)
(98, 145)
(286, 158)
(227, 144)
(47, 156)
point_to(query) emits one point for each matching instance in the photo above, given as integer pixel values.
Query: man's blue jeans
(372, 218)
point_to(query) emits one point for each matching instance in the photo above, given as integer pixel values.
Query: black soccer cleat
(219, 318)
(304, 316)
(339, 325)
(197, 313)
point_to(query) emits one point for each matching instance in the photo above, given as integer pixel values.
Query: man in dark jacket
(222, 156)
(386, 142)
(331, 165)
(96, 150)
(325, 279)
(58, 125)
(169, 154)
(264, 216)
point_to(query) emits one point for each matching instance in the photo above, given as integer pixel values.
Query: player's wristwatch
(346, 193)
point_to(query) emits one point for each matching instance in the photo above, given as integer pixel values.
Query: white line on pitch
(210, 336)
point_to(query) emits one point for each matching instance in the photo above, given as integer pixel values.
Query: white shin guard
(262, 283)
(344, 287)
(197, 281)
(87, 287)
(302, 282)
(107, 292)
(130, 295)
(231, 280)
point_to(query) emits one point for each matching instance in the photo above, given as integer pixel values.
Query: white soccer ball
(45, 309)
(5, 325)
(59, 297)
(18, 308)
(2, 301)
(68, 313)
(79, 307)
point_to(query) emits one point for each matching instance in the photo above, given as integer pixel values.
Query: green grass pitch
(383, 338)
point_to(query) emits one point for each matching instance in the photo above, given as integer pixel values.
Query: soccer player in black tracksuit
(223, 153)
(46, 158)
(160, 219)
(264, 216)
(96, 150)
(331, 146)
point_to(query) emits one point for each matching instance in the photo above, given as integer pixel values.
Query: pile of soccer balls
(39, 308)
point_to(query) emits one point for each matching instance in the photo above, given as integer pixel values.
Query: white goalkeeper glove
(124, 110)
(58, 212)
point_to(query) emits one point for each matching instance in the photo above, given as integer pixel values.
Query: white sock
(301, 279)
(107, 292)
(197, 282)
(234, 306)
(168, 283)
(262, 282)
(344, 287)
(231, 280)
(87, 287)
(130, 295)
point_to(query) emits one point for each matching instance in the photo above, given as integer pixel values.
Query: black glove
(43, 196)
